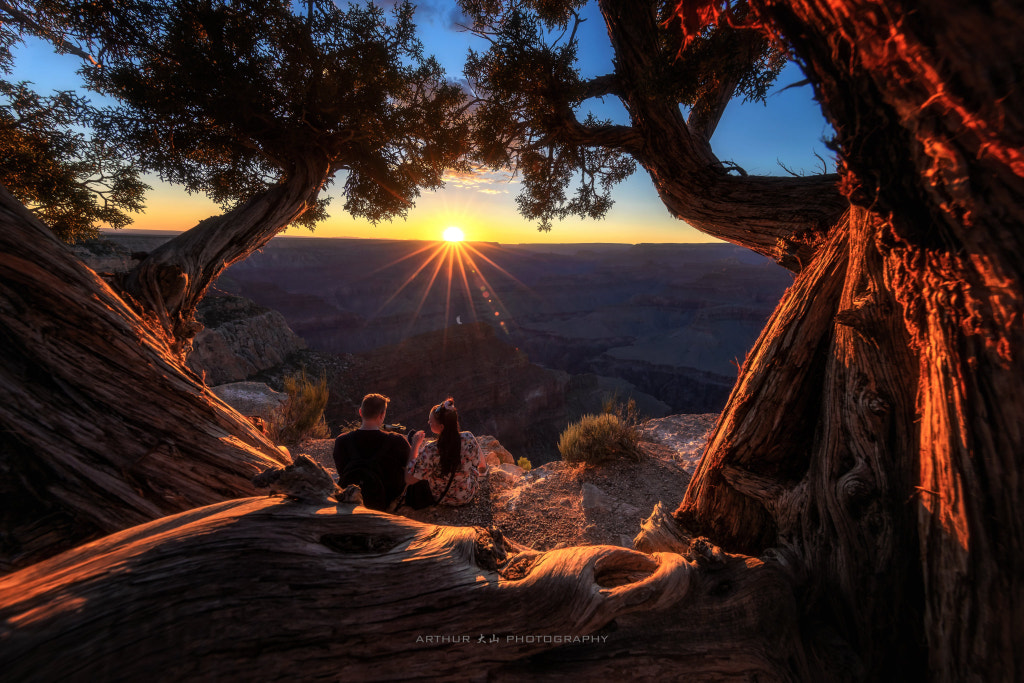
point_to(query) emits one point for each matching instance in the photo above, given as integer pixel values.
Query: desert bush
(599, 438)
(627, 412)
(301, 415)
(525, 463)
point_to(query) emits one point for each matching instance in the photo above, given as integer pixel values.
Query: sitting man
(371, 458)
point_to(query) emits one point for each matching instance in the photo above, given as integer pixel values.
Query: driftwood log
(270, 589)
(101, 426)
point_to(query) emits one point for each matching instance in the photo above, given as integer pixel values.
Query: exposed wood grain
(768, 425)
(926, 101)
(784, 218)
(172, 279)
(101, 427)
(267, 589)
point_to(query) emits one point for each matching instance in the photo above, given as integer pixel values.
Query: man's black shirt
(362, 453)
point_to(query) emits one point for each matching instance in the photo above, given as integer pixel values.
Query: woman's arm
(417, 441)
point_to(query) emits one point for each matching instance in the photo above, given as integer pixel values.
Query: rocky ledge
(556, 504)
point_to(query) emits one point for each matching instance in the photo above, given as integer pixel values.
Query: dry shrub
(301, 416)
(597, 439)
(525, 464)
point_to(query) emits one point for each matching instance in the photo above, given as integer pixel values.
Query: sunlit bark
(102, 428)
(900, 493)
(784, 218)
(172, 279)
(266, 588)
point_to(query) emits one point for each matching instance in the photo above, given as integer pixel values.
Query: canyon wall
(675, 320)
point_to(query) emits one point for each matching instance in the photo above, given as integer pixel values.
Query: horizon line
(167, 233)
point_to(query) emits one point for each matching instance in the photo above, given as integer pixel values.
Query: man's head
(373, 408)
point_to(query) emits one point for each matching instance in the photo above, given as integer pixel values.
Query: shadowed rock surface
(557, 505)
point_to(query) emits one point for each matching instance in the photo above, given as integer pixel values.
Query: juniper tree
(870, 439)
(50, 158)
(262, 106)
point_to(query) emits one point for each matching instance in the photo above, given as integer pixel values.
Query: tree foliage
(531, 97)
(226, 97)
(72, 181)
(52, 159)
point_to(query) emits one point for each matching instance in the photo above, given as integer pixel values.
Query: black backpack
(365, 472)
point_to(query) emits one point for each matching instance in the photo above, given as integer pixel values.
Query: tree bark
(815, 455)
(170, 282)
(888, 473)
(784, 218)
(943, 167)
(102, 427)
(267, 588)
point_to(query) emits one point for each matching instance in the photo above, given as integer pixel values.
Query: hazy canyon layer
(526, 337)
(674, 320)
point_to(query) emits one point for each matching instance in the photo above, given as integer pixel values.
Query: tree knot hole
(622, 568)
(857, 494)
(518, 566)
(875, 403)
(359, 543)
(489, 548)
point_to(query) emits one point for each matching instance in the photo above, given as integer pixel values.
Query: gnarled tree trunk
(172, 279)
(895, 477)
(266, 588)
(101, 427)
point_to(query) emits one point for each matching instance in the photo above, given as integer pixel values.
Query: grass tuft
(301, 416)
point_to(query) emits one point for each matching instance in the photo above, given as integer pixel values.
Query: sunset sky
(788, 130)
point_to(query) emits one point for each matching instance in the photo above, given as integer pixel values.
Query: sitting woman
(451, 464)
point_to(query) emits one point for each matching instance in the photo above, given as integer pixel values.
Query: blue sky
(789, 129)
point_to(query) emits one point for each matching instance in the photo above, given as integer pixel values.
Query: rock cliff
(670, 319)
(496, 388)
(239, 339)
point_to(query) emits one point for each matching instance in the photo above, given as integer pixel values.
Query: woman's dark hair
(449, 441)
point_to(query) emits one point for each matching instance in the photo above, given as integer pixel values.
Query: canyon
(675, 321)
(526, 337)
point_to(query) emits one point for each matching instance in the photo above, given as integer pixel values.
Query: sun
(453, 234)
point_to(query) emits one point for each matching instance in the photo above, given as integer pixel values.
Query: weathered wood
(661, 533)
(929, 115)
(784, 218)
(267, 588)
(907, 467)
(172, 279)
(772, 413)
(102, 427)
